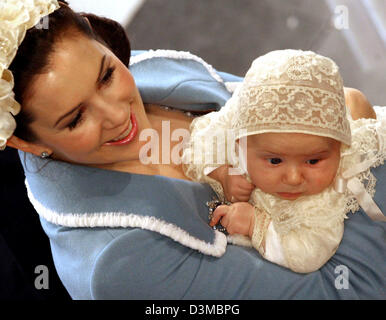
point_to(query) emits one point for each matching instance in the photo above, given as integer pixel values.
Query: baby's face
(290, 165)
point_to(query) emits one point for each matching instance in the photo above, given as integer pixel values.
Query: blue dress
(117, 235)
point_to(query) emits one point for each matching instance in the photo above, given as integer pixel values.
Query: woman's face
(290, 165)
(85, 101)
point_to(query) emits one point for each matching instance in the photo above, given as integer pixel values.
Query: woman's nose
(113, 114)
(294, 176)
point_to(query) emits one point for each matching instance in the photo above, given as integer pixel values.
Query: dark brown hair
(33, 55)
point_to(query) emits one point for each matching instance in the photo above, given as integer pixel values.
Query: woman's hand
(238, 218)
(236, 187)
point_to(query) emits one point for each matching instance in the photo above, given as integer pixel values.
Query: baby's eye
(313, 161)
(274, 160)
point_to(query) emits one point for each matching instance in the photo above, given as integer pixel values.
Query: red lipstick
(129, 137)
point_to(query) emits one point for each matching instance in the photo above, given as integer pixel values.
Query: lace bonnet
(16, 17)
(292, 91)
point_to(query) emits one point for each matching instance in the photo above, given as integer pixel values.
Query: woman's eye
(313, 161)
(75, 122)
(274, 160)
(108, 75)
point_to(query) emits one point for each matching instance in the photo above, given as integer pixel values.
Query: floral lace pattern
(368, 148)
(279, 108)
(262, 221)
(293, 91)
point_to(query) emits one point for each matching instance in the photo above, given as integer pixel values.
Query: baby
(301, 170)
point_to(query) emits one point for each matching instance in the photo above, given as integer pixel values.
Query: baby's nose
(294, 176)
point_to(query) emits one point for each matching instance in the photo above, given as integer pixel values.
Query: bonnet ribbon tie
(353, 184)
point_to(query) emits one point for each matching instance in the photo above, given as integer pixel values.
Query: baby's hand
(237, 188)
(237, 218)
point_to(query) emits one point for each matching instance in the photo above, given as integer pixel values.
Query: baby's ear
(30, 147)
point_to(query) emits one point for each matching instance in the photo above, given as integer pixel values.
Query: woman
(124, 228)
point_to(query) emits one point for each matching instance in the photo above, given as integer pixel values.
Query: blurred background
(230, 34)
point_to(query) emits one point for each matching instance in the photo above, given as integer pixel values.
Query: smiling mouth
(127, 135)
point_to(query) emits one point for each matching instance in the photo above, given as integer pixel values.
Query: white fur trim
(239, 240)
(173, 54)
(121, 219)
(232, 86)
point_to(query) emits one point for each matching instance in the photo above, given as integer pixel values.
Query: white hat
(292, 91)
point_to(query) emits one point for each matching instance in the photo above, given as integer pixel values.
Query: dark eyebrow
(73, 109)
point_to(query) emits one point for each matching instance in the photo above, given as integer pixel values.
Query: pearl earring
(44, 155)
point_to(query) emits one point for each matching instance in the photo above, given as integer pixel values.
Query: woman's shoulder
(180, 79)
(358, 104)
